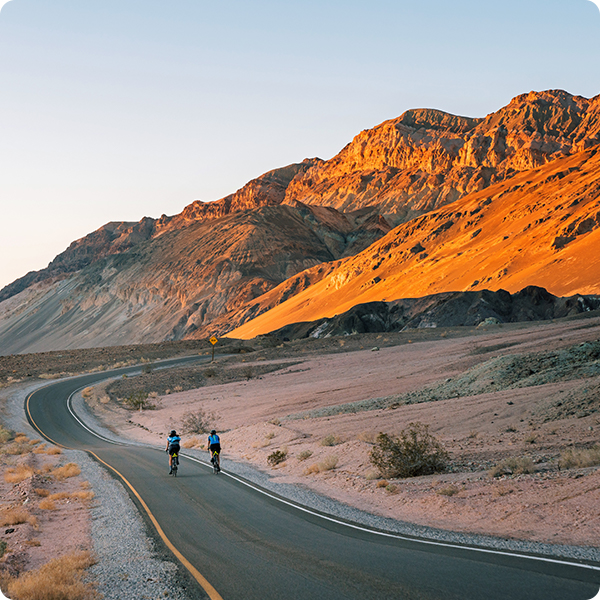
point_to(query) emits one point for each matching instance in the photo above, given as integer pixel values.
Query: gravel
(129, 563)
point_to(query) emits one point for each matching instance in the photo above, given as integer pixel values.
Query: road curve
(241, 544)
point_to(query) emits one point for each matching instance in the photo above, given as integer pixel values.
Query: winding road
(240, 543)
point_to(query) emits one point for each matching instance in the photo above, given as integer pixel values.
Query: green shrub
(414, 452)
(277, 457)
(305, 454)
(331, 440)
(3, 546)
(138, 400)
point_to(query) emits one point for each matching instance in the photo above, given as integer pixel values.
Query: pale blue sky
(119, 109)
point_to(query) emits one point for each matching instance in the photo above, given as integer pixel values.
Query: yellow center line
(204, 583)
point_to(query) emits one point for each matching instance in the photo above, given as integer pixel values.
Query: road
(241, 544)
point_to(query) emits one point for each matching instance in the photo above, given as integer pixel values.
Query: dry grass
(17, 474)
(369, 437)
(41, 492)
(16, 516)
(327, 464)
(53, 450)
(371, 475)
(47, 504)
(83, 495)
(192, 442)
(60, 579)
(87, 393)
(517, 465)
(68, 470)
(40, 449)
(305, 454)
(383, 483)
(579, 459)
(451, 490)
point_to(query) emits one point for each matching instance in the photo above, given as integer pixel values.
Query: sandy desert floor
(444, 381)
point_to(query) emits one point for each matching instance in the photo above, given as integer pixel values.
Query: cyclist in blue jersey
(173, 448)
(214, 449)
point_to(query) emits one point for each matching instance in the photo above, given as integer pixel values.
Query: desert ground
(516, 406)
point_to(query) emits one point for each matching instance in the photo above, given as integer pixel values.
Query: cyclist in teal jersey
(214, 449)
(173, 447)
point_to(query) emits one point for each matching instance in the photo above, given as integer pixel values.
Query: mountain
(541, 227)
(175, 284)
(422, 204)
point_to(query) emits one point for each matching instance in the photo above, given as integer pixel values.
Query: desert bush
(277, 457)
(414, 452)
(16, 516)
(17, 474)
(511, 429)
(197, 422)
(3, 546)
(192, 442)
(312, 469)
(5, 435)
(68, 470)
(87, 392)
(248, 373)
(178, 388)
(47, 504)
(515, 465)
(59, 579)
(53, 450)
(451, 490)
(371, 475)
(305, 454)
(579, 458)
(328, 463)
(369, 437)
(530, 439)
(138, 400)
(392, 488)
(383, 483)
(210, 373)
(41, 449)
(275, 421)
(41, 492)
(331, 440)
(147, 369)
(270, 435)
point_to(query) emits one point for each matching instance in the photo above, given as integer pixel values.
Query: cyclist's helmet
(213, 432)
(173, 433)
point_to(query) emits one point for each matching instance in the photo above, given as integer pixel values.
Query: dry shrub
(178, 388)
(83, 495)
(383, 483)
(277, 457)
(16, 516)
(197, 422)
(369, 437)
(451, 490)
(59, 496)
(60, 579)
(40, 449)
(392, 488)
(34, 442)
(21, 438)
(312, 469)
(87, 393)
(68, 470)
(5, 435)
(18, 446)
(580, 458)
(331, 440)
(372, 474)
(17, 474)
(275, 421)
(502, 490)
(305, 454)
(41, 492)
(32, 543)
(53, 450)
(47, 504)
(191, 442)
(85, 485)
(44, 469)
(270, 435)
(328, 463)
(515, 465)
(414, 452)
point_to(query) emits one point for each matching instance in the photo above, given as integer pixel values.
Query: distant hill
(419, 205)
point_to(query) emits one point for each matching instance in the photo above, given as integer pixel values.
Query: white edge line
(343, 523)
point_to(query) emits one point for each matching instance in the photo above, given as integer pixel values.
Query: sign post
(213, 340)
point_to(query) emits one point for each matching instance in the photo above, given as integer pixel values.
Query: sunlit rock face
(427, 158)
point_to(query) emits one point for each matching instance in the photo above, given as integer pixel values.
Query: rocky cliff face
(540, 227)
(427, 158)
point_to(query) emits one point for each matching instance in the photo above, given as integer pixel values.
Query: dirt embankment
(511, 400)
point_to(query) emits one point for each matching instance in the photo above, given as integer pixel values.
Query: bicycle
(174, 463)
(215, 462)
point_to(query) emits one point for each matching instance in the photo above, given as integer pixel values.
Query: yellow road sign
(213, 340)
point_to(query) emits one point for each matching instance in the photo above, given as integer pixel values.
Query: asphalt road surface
(241, 544)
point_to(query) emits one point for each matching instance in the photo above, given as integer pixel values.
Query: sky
(112, 110)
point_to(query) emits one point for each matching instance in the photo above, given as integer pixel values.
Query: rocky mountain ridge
(504, 201)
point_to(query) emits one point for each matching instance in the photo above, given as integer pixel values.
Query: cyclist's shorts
(215, 448)
(173, 450)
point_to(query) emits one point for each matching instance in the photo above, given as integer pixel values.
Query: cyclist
(214, 449)
(173, 449)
